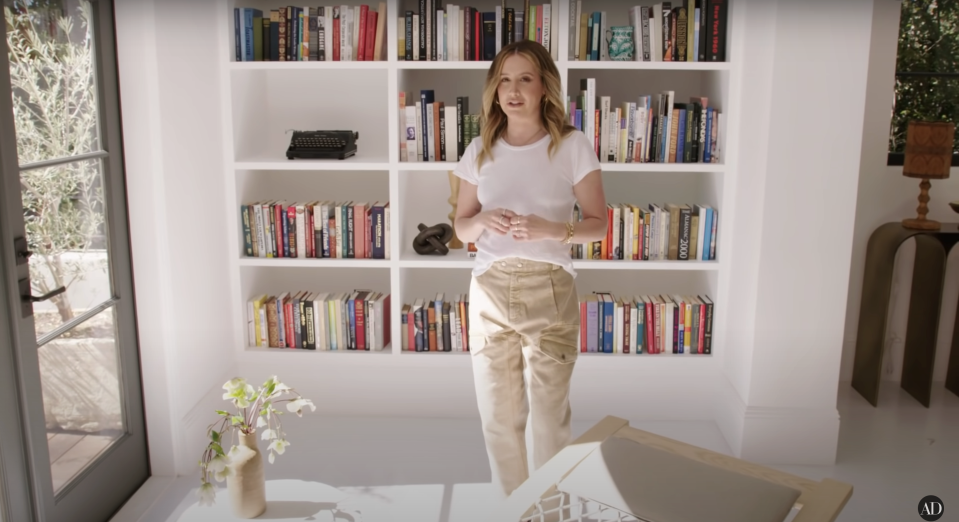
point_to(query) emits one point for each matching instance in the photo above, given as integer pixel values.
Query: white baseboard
(143, 500)
(777, 436)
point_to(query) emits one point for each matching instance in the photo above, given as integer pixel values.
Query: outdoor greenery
(928, 42)
(52, 77)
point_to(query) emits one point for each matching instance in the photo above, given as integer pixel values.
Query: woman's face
(520, 90)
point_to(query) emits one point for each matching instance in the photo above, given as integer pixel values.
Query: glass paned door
(75, 324)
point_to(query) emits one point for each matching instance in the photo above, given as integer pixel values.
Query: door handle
(48, 295)
(27, 298)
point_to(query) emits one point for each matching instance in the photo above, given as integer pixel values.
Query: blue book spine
(707, 235)
(608, 315)
(592, 318)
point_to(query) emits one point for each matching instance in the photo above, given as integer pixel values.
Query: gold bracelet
(569, 233)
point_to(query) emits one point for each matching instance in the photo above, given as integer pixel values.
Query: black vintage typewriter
(322, 144)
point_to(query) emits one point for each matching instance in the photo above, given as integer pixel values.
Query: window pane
(928, 43)
(923, 98)
(63, 210)
(52, 76)
(82, 405)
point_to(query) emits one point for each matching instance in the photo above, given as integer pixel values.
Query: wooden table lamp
(928, 156)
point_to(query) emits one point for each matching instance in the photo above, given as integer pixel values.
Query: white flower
(233, 452)
(268, 434)
(233, 384)
(218, 463)
(207, 494)
(279, 446)
(296, 406)
(261, 422)
(221, 475)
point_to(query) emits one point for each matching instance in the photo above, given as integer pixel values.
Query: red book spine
(361, 38)
(371, 19)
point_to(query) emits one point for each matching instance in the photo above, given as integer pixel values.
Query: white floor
(435, 470)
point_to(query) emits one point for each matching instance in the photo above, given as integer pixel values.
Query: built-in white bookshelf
(263, 101)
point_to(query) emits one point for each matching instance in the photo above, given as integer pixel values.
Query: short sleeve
(466, 167)
(584, 156)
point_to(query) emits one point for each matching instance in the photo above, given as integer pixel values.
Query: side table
(932, 248)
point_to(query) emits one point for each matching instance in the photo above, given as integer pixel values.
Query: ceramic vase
(247, 486)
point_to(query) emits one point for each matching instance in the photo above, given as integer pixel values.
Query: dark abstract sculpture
(432, 240)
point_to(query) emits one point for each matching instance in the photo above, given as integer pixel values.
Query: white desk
(285, 500)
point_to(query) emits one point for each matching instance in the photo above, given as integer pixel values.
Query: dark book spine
(423, 20)
(716, 52)
(708, 330)
(310, 342)
(350, 236)
(408, 44)
(468, 36)
(442, 150)
(489, 36)
(433, 37)
(509, 35)
(460, 108)
(379, 251)
(685, 224)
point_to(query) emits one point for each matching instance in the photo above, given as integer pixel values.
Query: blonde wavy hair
(493, 120)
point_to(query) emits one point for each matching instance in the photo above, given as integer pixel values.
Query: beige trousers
(523, 315)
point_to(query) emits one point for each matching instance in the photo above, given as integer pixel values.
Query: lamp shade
(928, 149)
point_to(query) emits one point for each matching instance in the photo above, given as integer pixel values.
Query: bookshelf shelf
(300, 66)
(263, 100)
(458, 259)
(425, 165)
(313, 263)
(372, 353)
(647, 66)
(445, 66)
(663, 167)
(311, 164)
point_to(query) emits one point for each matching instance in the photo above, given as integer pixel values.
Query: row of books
(463, 33)
(357, 320)
(675, 31)
(649, 323)
(436, 324)
(317, 229)
(433, 130)
(671, 231)
(324, 33)
(653, 129)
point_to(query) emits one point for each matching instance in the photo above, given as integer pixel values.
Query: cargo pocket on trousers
(558, 342)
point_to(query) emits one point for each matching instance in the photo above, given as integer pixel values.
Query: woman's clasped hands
(522, 227)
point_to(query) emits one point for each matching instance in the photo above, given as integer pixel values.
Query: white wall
(885, 195)
(799, 164)
(169, 98)
(795, 213)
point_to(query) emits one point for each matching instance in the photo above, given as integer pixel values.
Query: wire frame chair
(539, 499)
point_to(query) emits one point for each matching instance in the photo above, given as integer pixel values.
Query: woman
(522, 178)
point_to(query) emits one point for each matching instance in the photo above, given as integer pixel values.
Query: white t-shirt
(527, 181)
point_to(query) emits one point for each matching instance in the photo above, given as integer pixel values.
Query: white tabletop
(285, 500)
